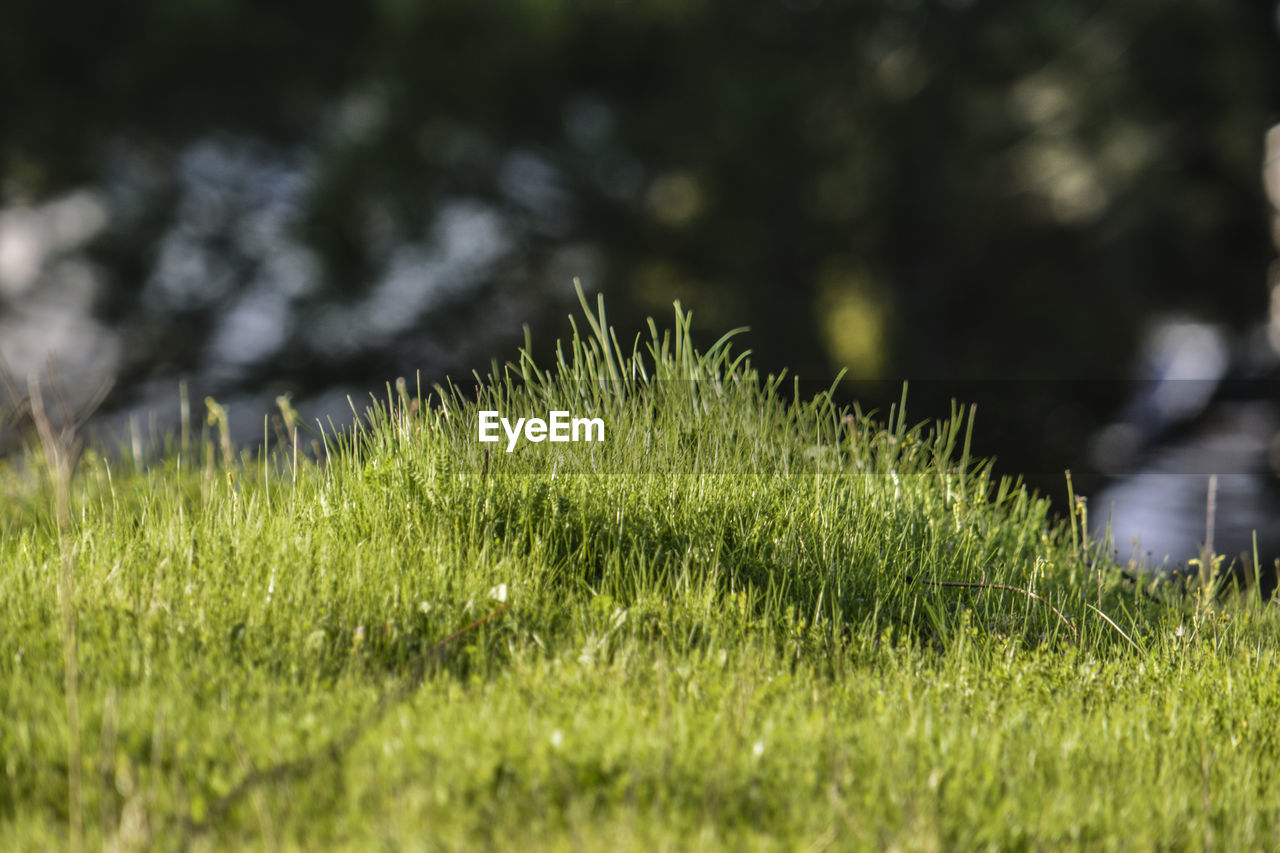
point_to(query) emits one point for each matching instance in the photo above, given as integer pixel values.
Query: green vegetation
(724, 626)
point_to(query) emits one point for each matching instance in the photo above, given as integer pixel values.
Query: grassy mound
(740, 620)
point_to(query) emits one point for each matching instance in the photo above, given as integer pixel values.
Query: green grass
(721, 628)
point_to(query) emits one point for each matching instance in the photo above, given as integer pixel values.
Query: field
(742, 621)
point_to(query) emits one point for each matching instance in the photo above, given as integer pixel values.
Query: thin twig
(1119, 630)
(1207, 573)
(1028, 593)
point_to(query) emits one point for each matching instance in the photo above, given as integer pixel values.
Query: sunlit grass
(725, 626)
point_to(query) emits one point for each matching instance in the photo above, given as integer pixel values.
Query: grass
(742, 621)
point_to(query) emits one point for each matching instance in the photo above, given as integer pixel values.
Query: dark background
(998, 199)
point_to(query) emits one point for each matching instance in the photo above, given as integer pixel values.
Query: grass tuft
(743, 619)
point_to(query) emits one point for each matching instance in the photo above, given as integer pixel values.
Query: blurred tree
(945, 189)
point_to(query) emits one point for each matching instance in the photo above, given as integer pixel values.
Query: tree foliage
(903, 187)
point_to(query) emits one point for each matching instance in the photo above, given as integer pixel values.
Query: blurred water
(1213, 409)
(1206, 410)
(1158, 515)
